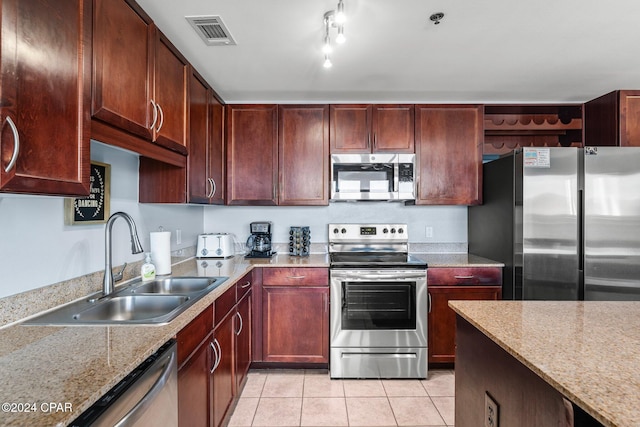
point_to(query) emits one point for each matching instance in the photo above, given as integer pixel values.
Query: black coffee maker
(259, 242)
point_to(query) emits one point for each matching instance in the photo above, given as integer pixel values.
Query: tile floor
(310, 398)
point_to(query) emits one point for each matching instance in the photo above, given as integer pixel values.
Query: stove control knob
(385, 230)
(400, 230)
(393, 231)
(343, 231)
(336, 231)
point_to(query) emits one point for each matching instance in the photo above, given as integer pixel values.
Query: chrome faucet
(136, 248)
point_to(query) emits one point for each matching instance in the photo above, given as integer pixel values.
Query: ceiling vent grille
(211, 30)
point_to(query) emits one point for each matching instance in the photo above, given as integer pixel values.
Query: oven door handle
(381, 276)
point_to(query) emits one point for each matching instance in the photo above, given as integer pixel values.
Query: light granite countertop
(74, 366)
(587, 350)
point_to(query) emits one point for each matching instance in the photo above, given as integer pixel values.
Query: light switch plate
(490, 411)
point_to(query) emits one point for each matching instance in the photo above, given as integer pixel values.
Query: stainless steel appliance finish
(381, 176)
(612, 223)
(378, 320)
(564, 221)
(146, 397)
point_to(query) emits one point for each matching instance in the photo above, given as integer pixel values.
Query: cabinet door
(170, 95)
(123, 63)
(222, 379)
(243, 339)
(629, 118)
(216, 153)
(193, 388)
(393, 128)
(45, 68)
(252, 154)
(197, 179)
(303, 133)
(442, 319)
(350, 129)
(449, 154)
(295, 324)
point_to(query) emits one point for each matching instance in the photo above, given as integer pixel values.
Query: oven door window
(378, 305)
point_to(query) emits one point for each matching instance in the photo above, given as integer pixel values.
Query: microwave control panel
(405, 172)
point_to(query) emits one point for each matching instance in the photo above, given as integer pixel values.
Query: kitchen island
(543, 360)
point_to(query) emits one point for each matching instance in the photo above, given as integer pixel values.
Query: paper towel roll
(161, 251)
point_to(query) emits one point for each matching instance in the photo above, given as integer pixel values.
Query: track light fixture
(333, 19)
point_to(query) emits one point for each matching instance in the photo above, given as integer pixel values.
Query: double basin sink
(155, 302)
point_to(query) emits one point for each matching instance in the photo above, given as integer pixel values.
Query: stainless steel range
(379, 303)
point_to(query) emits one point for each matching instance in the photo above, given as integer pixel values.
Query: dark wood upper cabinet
(393, 128)
(372, 128)
(123, 40)
(303, 154)
(44, 110)
(216, 165)
(139, 77)
(197, 180)
(171, 72)
(449, 154)
(613, 119)
(252, 154)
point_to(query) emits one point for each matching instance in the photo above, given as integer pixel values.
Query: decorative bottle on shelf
(148, 270)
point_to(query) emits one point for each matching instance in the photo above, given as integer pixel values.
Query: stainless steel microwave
(383, 176)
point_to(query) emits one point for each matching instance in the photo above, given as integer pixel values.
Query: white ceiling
(491, 51)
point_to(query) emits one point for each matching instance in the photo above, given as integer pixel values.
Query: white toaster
(215, 245)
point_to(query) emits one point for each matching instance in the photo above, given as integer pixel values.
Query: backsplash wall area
(448, 223)
(38, 249)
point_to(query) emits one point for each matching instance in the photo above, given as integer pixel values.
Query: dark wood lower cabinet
(222, 378)
(295, 325)
(243, 339)
(442, 320)
(455, 283)
(193, 387)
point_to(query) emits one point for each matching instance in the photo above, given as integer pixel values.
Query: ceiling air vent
(212, 30)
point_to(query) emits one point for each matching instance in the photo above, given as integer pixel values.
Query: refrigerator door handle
(580, 230)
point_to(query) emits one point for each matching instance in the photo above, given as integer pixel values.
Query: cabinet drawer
(244, 285)
(295, 276)
(224, 303)
(192, 335)
(464, 276)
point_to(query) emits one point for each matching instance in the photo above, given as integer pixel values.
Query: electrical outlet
(428, 231)
(490, 411)
(178, 237)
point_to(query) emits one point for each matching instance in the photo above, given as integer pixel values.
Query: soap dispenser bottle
(148, 270)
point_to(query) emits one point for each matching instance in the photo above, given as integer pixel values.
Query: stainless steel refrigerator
(564, 221)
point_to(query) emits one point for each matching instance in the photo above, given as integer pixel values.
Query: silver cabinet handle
(239, 317)
(161, 118)
(429, 301)
(296, 277)
(213, 187)
(246, 285)
(325, 297)
(16, 144)
(217, 355)
(215, 340)
(375, 140)
(464, 277)
(155, 115)
(369, 140)
(210, 192)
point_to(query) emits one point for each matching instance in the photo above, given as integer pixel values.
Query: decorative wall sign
(94, 208)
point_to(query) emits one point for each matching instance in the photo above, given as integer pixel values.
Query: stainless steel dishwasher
(148, 396)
